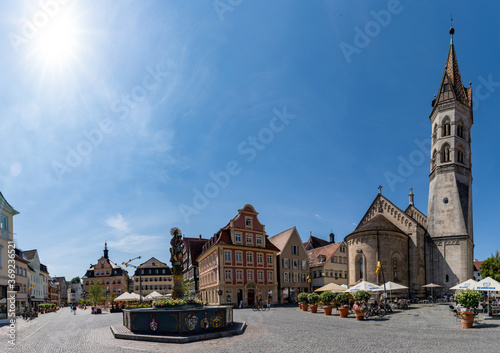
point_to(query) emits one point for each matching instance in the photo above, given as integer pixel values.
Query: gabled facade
(238, 264)
(190, 270)
(114, 278)
(7, 213)
(293, 265)
(154, 276)
(75, 292)
(21, 287)
(315, 242)
(328, 264)
(44, 279)
(63, 290)
(35, 280)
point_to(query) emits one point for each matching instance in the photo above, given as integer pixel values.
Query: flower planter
(467, 320)
(314, 309)
(360, 314)
(305, 307)
(328, 310)
(343, 312)
(300, 305)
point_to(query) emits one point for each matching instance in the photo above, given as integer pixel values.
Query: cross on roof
(380, 189)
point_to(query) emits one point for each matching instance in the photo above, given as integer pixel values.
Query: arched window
(460, 155)
(460, 129)
(447, 278)
(445, 153)
(361, 268)
(434, 133)
(395, 267)
(446, 127)
(434, 159)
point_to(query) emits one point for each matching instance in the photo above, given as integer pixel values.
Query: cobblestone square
(431, 328)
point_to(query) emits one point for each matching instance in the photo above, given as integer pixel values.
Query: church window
(445, 153)
(446, 128)
(460, 155)
(460, 129)
(447, 278)
(434, 133)
(395, 267)
(433, 160)
(361, 268)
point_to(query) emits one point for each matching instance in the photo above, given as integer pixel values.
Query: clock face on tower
(102, 262)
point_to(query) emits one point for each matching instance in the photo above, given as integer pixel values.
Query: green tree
(96, 293)
(186, 286)
(491, 267)
(75, 280)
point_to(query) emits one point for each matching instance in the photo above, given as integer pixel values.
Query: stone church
(415, 249)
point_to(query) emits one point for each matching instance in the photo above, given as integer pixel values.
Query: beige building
(6, 248)
(155, 276)
(293, 265)
(35, 280)
(328, 264)
(44, 278)
(21, 281)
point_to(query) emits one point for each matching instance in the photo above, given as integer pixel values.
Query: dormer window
(248, 222)
(446, 88)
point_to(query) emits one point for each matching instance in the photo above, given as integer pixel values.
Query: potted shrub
(327, 298)
(343, 300)
(361, 297)
(313, 298)
(303, 299)
(468, 298)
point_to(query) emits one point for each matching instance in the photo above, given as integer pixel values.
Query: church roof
(451, 84)
(315, 242)
(378, 222)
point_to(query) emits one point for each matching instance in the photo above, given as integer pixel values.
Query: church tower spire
(106, 250)
(450, 186)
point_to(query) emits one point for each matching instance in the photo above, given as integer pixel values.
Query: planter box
(328, 310)
(344, 312)
(305, 307)
(314, 309)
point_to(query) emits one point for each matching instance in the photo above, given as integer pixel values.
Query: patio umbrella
(487, 284)
(463, 285)
(153, 295)
(364, 286)
(332, 287)
(390, 286)
(432, 286)
(127, 297)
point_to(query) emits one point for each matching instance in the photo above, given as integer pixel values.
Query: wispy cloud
(135, 243)
(119, 223)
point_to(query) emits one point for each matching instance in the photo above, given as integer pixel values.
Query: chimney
(200, 236)
(411, 196)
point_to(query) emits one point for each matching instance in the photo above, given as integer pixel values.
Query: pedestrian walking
(74, 309)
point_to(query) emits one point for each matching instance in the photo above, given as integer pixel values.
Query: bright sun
(57, 44)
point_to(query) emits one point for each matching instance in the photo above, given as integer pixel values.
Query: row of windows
(249, 239)
(153, 272)
(446, 128)
(250, 275)
(329, 273)
(155, 287)
(338, 259)
(249, 256)
(445, 154)
(295, 263)
(294, 277)
(153, 279)
(105, 282)
(21, 271)
(102, 272)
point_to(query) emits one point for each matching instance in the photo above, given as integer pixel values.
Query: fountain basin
(178, 321)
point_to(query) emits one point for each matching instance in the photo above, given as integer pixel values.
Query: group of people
(73, 308)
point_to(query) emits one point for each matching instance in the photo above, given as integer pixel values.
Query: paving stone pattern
(431, 328)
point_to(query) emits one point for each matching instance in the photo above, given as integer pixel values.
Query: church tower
(450, 246)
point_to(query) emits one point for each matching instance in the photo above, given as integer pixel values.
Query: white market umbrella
(332, 287)
(127, 297)
(487, 284)
(364, 286)
(432, 286)
(463, 285)
(390, 286)
(153, 295)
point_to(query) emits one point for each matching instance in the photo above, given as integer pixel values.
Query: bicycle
(259, 308)
(375, 311)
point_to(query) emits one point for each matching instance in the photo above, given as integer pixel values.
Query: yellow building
(153, 276)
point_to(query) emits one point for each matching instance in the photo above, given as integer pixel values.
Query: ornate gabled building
(114, 278)
(415, 249)
(238, 264)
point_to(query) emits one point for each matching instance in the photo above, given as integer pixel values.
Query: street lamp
(126, 264)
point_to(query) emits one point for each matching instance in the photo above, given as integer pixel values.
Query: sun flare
(57, 43)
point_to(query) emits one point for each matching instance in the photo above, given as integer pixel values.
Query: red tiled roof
(315, 242)
(477, 265)
(326, 252)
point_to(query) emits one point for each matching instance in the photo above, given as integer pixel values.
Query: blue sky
(122, 119)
